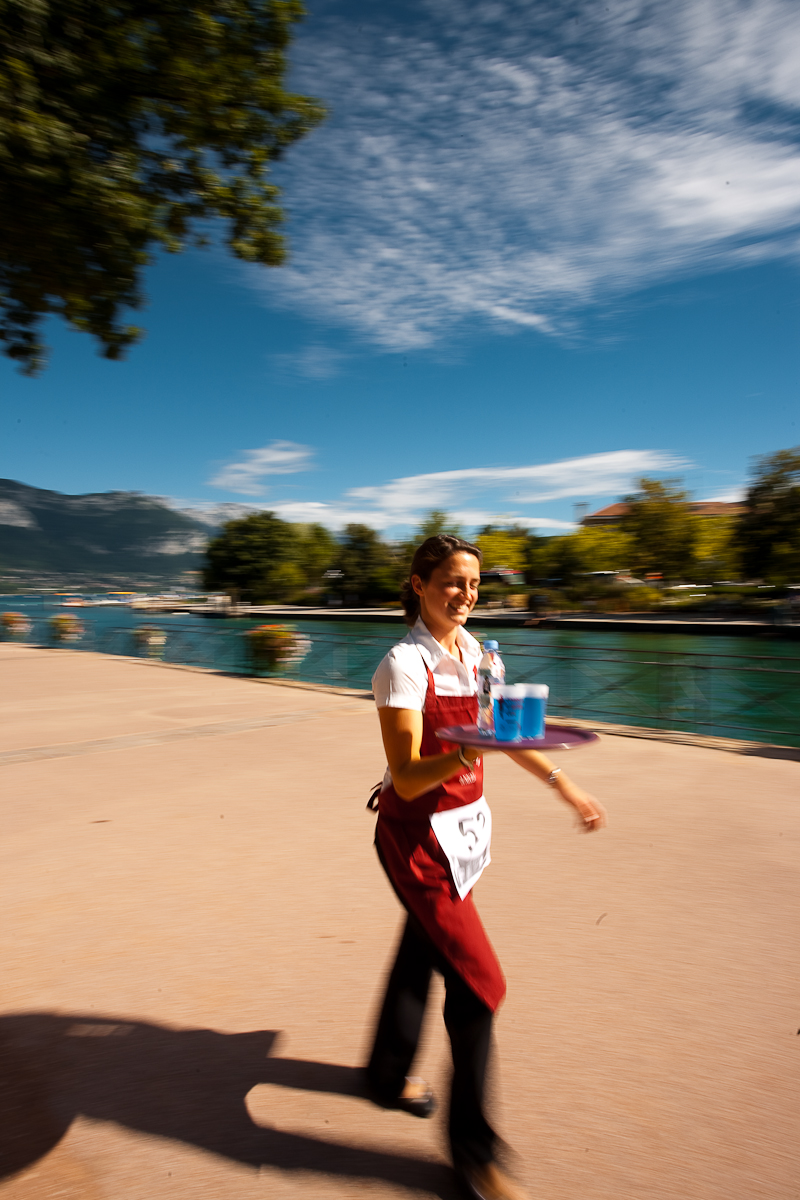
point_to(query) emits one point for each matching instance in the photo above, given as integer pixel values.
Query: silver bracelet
(462, 758)
(553, 776)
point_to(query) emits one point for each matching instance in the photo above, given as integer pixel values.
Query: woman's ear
(417, 585)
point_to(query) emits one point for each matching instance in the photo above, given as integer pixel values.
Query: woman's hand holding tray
(556, 737)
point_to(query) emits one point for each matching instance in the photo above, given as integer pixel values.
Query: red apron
(417, 866)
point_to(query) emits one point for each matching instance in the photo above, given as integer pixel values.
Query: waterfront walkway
(195, 928)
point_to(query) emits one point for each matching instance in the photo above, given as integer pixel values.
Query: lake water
(741, 687)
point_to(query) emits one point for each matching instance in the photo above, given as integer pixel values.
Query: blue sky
(536, 251)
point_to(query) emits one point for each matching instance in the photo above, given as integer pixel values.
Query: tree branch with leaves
(121, 127)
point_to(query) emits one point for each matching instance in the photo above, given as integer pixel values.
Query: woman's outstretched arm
(591, 814)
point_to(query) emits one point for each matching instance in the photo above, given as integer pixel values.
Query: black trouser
(469, 1025)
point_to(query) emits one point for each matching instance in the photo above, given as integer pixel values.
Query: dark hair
(427, 557)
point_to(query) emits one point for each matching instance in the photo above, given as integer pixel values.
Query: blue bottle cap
(490, 645)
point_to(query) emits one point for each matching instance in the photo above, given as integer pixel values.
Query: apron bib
(433, 853)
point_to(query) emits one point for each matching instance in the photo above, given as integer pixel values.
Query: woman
(432, 839)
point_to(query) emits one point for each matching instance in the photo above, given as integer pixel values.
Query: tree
(662, 528)
(556, 558)
(316, 549)
(438, 521)
(593, 548)
(768, 534)
(716, 552)
(371, 571)
(503, 548)
(264, 558)
(603, 548)
(121, 126)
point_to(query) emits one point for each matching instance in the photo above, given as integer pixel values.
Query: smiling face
(449, 596)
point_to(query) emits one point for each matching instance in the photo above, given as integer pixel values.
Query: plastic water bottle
(491, 669)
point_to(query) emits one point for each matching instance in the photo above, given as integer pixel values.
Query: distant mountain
(102, 538)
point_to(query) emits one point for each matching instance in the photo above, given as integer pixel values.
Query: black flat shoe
(423, 1105)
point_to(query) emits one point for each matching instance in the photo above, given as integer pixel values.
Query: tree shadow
(187, 1084)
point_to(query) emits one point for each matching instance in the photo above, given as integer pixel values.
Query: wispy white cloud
(733, 497)
(403, 500)
(278, 458)
(510, 162)
(335, 516)
(312, 362)
(474, 496)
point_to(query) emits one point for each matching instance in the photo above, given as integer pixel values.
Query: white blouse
(401, 680)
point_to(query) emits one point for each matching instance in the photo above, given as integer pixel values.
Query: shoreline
(642, 622)
(624, 623)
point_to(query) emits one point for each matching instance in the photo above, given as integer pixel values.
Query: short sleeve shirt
(401, 680)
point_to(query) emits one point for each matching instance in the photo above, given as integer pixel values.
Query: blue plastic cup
(534, 706)
(507, 700)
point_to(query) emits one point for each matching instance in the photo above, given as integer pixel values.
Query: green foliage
(768, 534)
(371, 570)
(716, 553)
(662, 529)
(660, 535)
(263, 558)
(598, 548)
(556, 558)
(604, 548)
(627, 598)
(287, 581)
(316, 551)
(503, 548)
(121, 126)
(437, 521)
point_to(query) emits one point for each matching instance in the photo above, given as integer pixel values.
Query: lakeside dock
(196, 926)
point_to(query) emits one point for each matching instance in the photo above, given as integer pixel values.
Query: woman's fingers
(591, 814)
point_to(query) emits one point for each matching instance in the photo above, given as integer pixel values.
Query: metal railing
(746, 696)
(751, 696)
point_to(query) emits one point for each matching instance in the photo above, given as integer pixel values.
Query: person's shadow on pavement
(189, 1085)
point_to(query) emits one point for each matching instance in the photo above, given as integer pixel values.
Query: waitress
(432, 837)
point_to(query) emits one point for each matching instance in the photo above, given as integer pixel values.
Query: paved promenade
(195, 928)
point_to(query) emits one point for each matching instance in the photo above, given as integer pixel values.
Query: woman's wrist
(566, 788)
(462, 754)
(560, 782)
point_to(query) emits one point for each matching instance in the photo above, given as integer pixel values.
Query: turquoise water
(738, 687)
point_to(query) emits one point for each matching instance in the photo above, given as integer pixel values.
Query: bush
(630, 599)
(150, 639)
(14, 624)
(273, 647)
(550, 600)
(65, 628)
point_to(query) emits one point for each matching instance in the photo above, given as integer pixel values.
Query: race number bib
(464, 835)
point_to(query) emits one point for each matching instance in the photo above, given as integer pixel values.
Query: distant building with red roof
(612, 514)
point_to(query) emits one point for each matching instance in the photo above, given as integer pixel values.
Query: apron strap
(372, 803)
